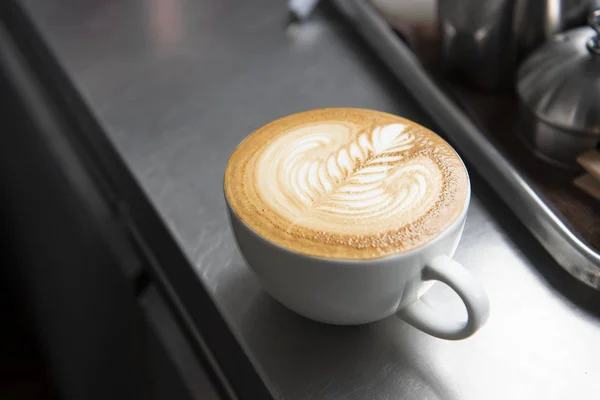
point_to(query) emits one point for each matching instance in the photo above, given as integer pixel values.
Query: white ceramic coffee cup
(352, 292)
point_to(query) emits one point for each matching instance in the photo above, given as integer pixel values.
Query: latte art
(318, 179)
(346, 183)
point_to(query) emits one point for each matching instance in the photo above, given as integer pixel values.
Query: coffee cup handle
(425, 318)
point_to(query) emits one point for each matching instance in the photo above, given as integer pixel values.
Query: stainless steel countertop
(177, 84)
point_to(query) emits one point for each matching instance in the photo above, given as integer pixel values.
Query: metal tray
(539, 215)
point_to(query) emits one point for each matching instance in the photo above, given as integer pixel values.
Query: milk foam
(330, 178)
(346, 183)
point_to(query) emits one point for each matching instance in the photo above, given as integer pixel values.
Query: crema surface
(346, 183)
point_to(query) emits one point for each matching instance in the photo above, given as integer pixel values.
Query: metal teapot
(559, 92)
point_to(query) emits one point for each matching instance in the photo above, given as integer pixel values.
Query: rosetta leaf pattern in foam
(366, 178)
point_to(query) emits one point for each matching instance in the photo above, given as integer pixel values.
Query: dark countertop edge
(190, 301)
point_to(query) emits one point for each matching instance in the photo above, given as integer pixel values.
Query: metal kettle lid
(560, 82)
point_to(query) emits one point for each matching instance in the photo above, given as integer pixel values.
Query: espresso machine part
(477, 41)
(559, 92)
(536, 21)
(483, 40)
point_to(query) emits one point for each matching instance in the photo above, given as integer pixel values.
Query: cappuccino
(346, 183)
